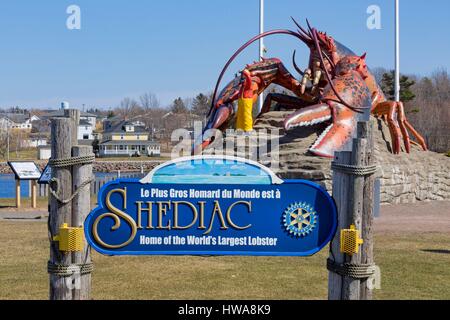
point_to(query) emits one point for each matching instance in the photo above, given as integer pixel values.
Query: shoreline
(100, 166)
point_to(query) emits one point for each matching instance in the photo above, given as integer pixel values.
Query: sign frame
(212, 252)
(17, 173)
(317, 242)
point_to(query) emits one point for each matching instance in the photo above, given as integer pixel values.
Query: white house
(85, 130)
(5, 123)
(35, 140)
(44, 152)
(17, 121)
(86, 126)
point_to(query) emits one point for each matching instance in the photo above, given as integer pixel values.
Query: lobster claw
(336, 135)
(218, 120)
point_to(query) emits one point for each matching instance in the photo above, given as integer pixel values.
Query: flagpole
(397, 50)
(261, 46)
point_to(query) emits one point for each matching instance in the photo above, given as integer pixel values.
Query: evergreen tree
(179, 106)
(201, 105)
(110, 114)
(388, 86)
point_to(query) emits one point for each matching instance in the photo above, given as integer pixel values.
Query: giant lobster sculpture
(337, 87)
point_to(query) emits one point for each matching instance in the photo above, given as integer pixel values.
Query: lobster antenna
(296, 66)
(302, 29)
(323, 42)
(311, 30)
(329, 60)
(316, 41)
(314, 32)
(262, 35)
(306, 39)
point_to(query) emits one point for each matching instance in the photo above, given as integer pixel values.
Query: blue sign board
(212, 206)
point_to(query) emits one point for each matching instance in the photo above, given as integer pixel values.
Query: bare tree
(3, 143)
(188, 103)
(378, 73)
(149, 101)
(430, 110)
(128, 108)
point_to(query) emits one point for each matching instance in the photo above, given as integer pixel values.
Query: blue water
(8, 186)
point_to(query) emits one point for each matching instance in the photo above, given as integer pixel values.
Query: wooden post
(62, 131)
(354, 198)
(368, 214)
(74, 115)
(73, 213)
(340, 192)
(18, 205)
(33, 194)
(80, 210)
(350, 286)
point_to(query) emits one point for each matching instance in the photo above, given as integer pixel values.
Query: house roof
(119, 128)
(113, 119)
(60, 113)
(16, 117)
(4, 118)
(85, 123)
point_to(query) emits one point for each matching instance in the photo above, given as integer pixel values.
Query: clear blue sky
(177, 47)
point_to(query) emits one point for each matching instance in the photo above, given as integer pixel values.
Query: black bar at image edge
(229, 309)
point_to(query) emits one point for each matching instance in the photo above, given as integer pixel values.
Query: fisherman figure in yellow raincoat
(244, 118)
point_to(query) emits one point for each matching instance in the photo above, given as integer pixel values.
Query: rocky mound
(405, 178)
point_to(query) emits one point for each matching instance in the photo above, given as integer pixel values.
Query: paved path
(420, 217)
(23, 215)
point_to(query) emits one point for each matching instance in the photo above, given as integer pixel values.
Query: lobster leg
(405, 123)
(401, 123)
(394, 114)
(388, 110)
(416, 135)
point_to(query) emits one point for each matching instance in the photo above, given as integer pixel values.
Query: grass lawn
(410, 267)
(28, 154)
(42, 203)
